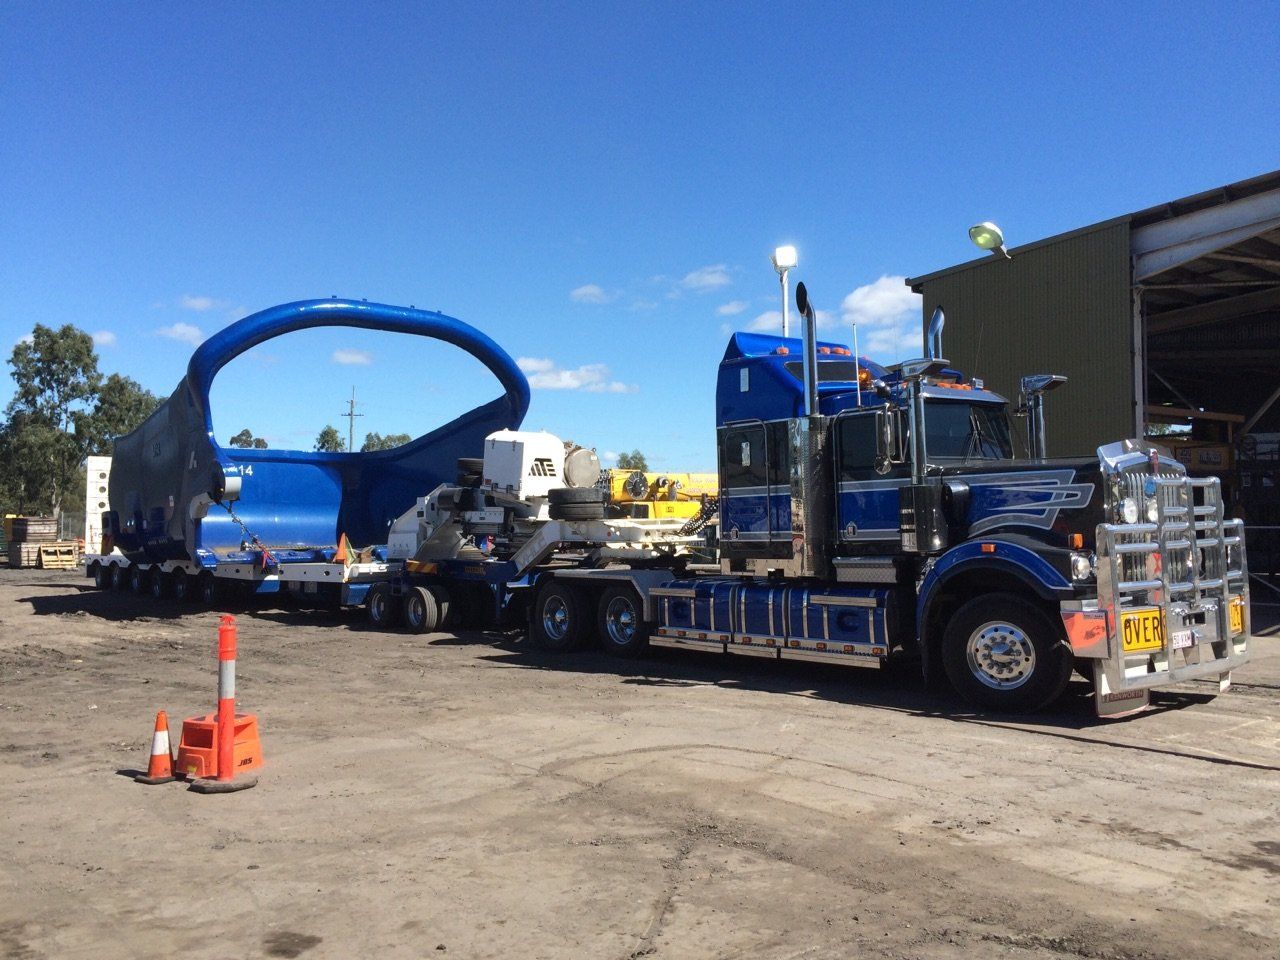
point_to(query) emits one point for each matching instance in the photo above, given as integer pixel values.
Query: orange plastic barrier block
(198, 748)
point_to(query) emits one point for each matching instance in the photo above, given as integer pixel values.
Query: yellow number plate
(1237, 615)
(1142, 630)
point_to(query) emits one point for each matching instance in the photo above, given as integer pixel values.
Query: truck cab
(901, 488)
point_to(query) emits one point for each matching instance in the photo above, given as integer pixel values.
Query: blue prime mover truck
(866, 514)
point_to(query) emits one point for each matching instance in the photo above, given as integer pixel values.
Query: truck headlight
(1083, 566)
(1127, 509)
(1153, 510)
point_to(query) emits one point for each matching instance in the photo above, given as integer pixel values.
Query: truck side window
(742, 456)
(779, 453)
(857, 439)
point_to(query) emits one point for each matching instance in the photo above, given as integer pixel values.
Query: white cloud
(544, 374)
(359, 358)
(198, 304)
(732, 308)
(707, 278)
(29, 338)
(104, 338)
(888, 318)
(589, 293)
(184, 333)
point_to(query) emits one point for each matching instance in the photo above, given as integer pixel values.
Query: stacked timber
(32, 537)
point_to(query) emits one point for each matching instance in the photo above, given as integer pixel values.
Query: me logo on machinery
(542, 467)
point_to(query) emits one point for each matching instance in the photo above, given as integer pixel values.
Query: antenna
(351, 420)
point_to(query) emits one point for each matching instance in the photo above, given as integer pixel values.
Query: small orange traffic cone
(160, 766)
(340, 555)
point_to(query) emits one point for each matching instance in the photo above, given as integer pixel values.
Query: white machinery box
(523, 463)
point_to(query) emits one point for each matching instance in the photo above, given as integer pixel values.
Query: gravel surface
(463, 796)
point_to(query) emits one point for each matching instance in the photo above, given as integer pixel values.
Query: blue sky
(598, 186)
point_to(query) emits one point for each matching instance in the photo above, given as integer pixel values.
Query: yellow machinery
(634, 493)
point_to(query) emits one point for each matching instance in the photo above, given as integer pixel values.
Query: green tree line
(63, 410)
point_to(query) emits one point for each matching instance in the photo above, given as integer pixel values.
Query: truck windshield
(966, 431)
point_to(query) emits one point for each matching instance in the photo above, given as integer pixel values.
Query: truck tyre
(561, 618)
(1004, 653)
(382, 606)
(207, 589)
(576, 511)
(101, 576)
(422, 613)
(159, 585)
(576, 495)
(119, 577)
(137, 579)
(181, 586)
(622, 629)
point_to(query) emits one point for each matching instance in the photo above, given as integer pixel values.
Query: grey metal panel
(1059, 307)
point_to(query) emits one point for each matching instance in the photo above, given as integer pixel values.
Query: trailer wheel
(207, 589)
(159, 585)
(383, 608)
(1004, 653)
(180, 585)
(561, 618)
(119, 577)
(425, 609)
(137, 579)
(101, 575)
(623, 631)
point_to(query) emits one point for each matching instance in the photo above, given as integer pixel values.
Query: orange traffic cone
(340, 555)
(160, 766)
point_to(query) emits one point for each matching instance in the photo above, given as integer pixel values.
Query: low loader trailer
(862, 514)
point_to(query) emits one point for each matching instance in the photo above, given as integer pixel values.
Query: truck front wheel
(1004, 653)
(623, 631)
(561, 621)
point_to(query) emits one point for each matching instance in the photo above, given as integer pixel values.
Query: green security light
(987, 236)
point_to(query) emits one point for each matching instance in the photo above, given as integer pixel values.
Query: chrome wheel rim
(555, 618)
(414, 611)
(620, 621)
(1001, 655)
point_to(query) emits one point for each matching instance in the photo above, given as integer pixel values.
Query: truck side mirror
(886, 440)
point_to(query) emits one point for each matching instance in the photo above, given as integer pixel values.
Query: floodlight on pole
(987, 236)
(784, 258)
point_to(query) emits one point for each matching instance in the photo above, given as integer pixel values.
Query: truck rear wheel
(137, 579)
(119, 577)
(426, 609)
(561, 618)
(623, 631)
(383, 608)
(159, 584)
(181, 586)
(101, 576)
(1004, 653)
(207, 589)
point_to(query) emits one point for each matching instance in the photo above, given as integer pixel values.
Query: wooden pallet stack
(34, 542)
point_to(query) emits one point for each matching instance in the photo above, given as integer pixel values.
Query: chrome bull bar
(1166, 592)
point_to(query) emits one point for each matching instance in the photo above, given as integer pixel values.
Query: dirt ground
(462, 796)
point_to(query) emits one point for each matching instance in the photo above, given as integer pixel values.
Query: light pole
(784, 258)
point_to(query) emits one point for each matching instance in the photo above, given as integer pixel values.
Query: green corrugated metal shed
(1063, 305)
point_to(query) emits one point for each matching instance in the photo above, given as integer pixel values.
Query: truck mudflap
(1173, 595)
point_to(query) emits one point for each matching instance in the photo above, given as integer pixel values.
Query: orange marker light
(988, 548)
(1075, 540)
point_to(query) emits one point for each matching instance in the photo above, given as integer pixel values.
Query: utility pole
(351, 420)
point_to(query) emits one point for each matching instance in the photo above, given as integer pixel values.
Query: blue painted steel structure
(298, 503)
